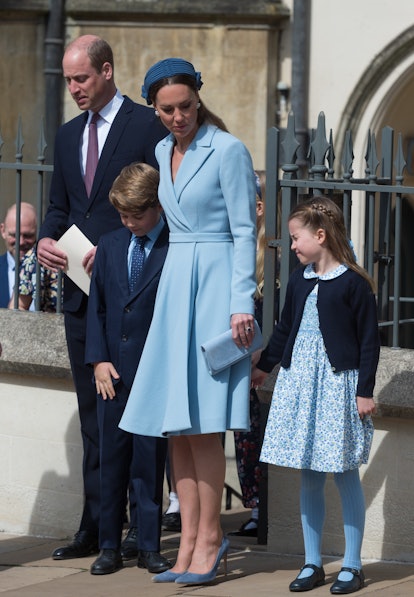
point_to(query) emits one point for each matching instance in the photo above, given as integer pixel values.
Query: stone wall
(233, 44)
(40, 443)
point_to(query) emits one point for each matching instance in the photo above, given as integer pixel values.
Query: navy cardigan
(348, 323)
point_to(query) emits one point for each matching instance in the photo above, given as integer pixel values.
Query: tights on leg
(353, 512)
(312, 507)
(312, 503)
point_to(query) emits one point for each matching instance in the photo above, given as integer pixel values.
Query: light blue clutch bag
(222, 352)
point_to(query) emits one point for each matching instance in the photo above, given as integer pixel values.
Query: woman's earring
(157, 113)
(198, 105)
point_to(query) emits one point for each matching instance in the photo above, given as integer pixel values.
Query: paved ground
(27, 570)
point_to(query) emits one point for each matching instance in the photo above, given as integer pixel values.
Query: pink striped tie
(92, 156)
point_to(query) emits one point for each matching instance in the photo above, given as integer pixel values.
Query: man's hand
(104, 373)
(50, 255)
(87, 261)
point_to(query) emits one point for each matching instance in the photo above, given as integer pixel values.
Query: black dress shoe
(153, 561)
(316, 579)
(129, 546)
(109, 561)
(343, 587)
(84, 544)
(246, 532)
(171, 522)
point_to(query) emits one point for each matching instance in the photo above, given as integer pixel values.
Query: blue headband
(168, 68)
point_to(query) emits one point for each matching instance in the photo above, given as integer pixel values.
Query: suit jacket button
(333, 369)
(127, 310)
(124, 338)
(88, 215)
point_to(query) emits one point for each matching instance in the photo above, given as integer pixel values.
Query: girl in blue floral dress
(327, 343)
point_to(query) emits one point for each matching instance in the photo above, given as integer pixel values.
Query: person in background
(90, 152)
(120, 310)
(171, 519)
(248, 444)
(27, 285)
(207, 191)
(327, 342)
(28, 228)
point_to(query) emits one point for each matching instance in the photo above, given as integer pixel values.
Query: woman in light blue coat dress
(207, 190)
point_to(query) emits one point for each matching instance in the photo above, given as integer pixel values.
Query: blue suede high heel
(191, 578)
(167, 576)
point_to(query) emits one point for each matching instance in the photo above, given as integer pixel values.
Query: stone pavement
(27, 570)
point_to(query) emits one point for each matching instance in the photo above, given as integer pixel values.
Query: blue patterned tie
(137, 261)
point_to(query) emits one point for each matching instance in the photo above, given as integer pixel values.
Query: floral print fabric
(48, 282)
(313, 420)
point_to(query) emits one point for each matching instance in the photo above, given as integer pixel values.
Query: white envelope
(76, 245)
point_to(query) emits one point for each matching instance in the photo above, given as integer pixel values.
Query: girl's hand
(257, 377)
(256, 357)
(366, 406)
(242, 325)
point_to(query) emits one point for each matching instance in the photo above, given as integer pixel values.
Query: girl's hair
(261, 235)
(322, 212)
(204, 114)
(135, 189)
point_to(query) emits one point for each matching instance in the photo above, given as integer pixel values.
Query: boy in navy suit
(120, 308)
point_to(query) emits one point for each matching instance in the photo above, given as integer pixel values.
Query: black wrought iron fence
(30, 181)
(379, 199)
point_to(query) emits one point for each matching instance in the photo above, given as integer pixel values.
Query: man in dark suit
(126, 132)
(28, 226)
(119, 316)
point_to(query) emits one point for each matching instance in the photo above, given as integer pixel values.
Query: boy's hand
(104, 373)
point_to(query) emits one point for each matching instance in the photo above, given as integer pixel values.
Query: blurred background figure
(248, 443)
(27, 285)
(28, 226)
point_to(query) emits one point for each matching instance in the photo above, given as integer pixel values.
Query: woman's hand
(242, 325)
(366, 406)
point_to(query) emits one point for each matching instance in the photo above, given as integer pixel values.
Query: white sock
(174, 505)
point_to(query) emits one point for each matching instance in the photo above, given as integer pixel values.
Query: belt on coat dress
(200, 237)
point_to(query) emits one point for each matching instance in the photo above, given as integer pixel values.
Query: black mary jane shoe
(316, 579)
(343, 587)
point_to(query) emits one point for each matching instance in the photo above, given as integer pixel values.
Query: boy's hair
(135, 189)
(322, 212)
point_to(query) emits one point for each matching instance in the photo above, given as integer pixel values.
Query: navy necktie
(92, 156)
(137, 261)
